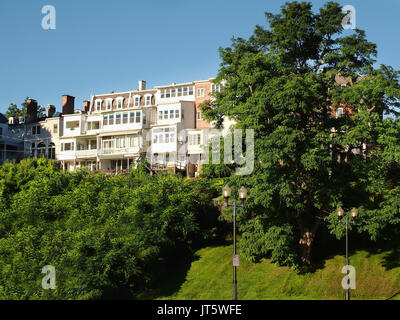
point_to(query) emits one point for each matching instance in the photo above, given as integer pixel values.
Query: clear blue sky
(101, 46)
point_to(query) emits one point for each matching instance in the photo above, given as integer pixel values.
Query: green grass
(210, 278)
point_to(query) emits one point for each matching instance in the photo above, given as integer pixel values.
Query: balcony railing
(86, 153)
(111, 151)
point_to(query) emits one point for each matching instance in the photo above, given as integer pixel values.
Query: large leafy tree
(283, 82)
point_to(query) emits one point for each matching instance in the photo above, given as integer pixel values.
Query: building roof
(3, 118)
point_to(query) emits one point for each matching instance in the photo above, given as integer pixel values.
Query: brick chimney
(31, 110)
(142, 85)
(86, 106)
(51, 110)
(68, 104)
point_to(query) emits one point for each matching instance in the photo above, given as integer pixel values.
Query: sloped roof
(3, 119)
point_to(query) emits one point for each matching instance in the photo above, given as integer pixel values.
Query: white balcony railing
(86, 153)
(111, 151)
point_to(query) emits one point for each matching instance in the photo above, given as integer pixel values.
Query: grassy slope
(210, 278)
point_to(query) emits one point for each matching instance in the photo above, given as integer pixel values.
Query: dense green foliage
(106, 236)
(283, 83)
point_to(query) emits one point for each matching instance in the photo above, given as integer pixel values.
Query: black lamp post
(354, 213)
(226, 192)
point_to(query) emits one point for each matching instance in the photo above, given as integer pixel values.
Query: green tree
(282, 82)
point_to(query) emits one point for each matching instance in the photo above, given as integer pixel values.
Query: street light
(354, 214)
(227, 192)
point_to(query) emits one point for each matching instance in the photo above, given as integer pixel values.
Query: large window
(72, 125)
(177, 92)
(122, 118)
(215, 88)
(67, 146)
(93, 125)
(164, 135)
(194, 139)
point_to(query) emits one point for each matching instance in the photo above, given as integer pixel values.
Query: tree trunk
(307, 236)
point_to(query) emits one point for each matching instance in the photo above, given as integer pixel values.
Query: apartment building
(109, 134)
(115, 130)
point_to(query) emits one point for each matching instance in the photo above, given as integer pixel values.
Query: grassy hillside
(210, 277)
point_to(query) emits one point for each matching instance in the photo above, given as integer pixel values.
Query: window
(55, 128)
(176, 114)
(191, 91)
(98, 105)
(105, 120)
(69, 146)
(165, 114)
(215, 87)
(1, 131)
(133, 141)
(51, 152)
(194, 139)
(132, 117)
(171, 114)
(200, 92)
(118, 118)
(137, 101)
(173, 93)
(41, 150)
(148, 100)
(164, 135)
(125, 118)
(111, 119)
(120, 103)
(93, 125)
(120, 142)
(36, 130)
(160, 113)
(339, 112)
(137, 116)
(72, 125)
(185, 91)
(109, 104)
(199, 115)
(179, 92)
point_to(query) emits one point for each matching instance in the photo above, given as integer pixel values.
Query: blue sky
(104, 46)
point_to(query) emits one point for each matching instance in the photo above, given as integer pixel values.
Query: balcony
(86, 153)
(120, 152)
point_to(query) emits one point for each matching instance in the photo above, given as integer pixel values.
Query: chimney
(68, 104)
(142, 85)
(31, 110)
(86, 106)
(51, 110)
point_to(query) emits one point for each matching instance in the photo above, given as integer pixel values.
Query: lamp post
(226, 192)
(354, 213)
